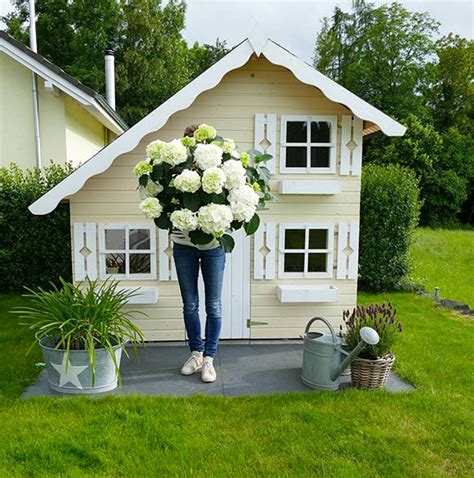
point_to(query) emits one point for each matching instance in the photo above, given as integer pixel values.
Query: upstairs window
(308, 144)
(306, 250)
(127, 251)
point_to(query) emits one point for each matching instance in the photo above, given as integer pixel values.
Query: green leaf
(191, 201)
(264, 173)
(263, 158)
(163, 222)
(200, 237)
(143, 180)
(227, 242)
(236, 225)
(270, 197)
(253, 153)
(251, 226)
(251, 173)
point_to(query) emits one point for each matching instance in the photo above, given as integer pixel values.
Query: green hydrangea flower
(204, 132)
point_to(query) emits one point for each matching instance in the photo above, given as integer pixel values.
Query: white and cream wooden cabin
(303, 260)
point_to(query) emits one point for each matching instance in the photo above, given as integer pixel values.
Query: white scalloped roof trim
(236, 58)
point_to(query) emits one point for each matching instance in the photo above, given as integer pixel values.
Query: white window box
(307, 293)
(144, 295)
(309, 187)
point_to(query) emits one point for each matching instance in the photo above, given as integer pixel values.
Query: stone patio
(242, 368)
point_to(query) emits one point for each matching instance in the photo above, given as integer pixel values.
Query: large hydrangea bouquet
(202, 186)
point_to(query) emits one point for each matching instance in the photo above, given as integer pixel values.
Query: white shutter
(351, 146)
(264, 252)
(347, 250)
(265, 136)
(85, 251)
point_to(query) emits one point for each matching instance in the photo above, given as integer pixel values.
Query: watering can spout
(369, 337)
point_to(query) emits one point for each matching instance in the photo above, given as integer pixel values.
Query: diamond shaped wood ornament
(264, 250)
(352, 145)
(85, 251)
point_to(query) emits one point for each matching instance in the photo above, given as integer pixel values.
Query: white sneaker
(208, 370)
(193, 364)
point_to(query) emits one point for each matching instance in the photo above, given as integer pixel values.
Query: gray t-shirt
(182, 237)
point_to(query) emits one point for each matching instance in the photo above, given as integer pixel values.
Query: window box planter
(142, 295)
(309, 187)
(307, 293)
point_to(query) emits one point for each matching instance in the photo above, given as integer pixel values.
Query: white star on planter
(71, 375)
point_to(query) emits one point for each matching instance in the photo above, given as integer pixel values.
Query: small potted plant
(82, 330)
(372, 367)
(112, 265)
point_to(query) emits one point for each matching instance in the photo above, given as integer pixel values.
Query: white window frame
(308, 144)
(103, 251)
(305, 274)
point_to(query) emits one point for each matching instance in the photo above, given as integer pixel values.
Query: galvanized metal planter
(74, 376)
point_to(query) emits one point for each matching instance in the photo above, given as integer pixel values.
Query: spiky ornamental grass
(75, 317)
(382, 318)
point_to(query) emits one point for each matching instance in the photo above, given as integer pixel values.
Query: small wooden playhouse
(303, 260)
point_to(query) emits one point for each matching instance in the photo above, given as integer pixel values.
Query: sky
(294, 24)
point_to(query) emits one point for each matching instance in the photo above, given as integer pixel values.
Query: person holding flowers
(201, 189)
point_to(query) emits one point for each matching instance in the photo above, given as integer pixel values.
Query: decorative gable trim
(237, 57)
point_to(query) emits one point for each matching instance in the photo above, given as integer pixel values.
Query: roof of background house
(93, 101)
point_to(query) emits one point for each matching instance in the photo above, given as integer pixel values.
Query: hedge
(390, 208)
(34, 250)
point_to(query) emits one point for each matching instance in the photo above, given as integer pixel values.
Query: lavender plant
(382, 318)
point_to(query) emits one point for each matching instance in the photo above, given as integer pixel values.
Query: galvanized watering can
(323, 360)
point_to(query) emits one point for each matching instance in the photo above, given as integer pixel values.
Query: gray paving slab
(242, 369)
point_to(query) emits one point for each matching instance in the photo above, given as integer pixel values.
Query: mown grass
(427, 432)
(445, 259)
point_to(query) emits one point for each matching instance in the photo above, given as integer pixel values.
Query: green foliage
(389, 214)
(153, 60)
(443, 164)
(381, 318)
(379, 53)
(34, 250)
(74, 317)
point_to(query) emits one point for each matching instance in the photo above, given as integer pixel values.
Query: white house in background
(303, 260)
(75, 121)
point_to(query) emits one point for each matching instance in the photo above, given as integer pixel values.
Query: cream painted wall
(257, 87)
(84, 134)
(68, 131)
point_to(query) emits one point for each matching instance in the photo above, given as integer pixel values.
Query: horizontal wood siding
(257, 87)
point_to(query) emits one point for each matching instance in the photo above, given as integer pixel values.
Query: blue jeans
(187, 260)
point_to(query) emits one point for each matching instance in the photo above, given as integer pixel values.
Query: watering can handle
(326, 321)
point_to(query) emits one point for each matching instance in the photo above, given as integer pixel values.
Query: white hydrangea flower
(173, 153)
(235, 173)
(143, 167)
(151, 207)
(188, 181)
(150, 190)
(213, 180)
(184, 220)
(153, 150)
(243, 203)
(204, 132)
(214, 219)
(208, 156)
(227, 145)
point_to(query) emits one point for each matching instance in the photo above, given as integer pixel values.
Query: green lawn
(427, 432)
(445, 259)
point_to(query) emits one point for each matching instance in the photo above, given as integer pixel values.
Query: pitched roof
(236, 58)
(89, 98)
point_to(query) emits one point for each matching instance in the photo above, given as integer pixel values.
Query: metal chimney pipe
(110, 76)
(34, 82)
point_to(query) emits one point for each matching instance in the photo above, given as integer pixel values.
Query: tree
(451, 90)
(204, 56)
(441, 163)
(378, 53)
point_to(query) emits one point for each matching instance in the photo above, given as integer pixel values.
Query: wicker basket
(369, 374)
